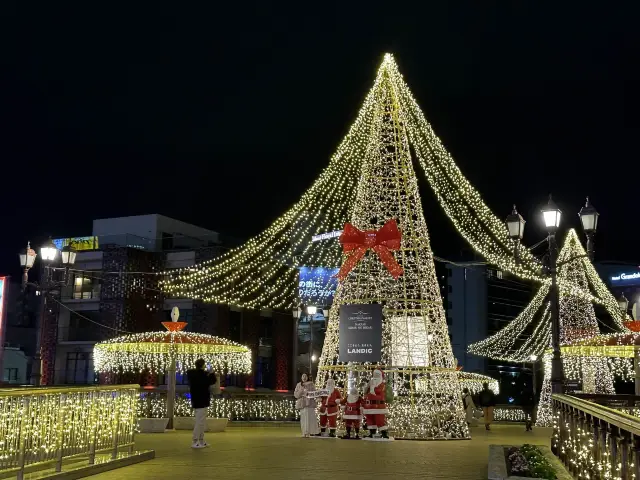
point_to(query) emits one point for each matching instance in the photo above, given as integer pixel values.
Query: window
(11, 375)
(450, 338)
(167, 241)
(450, 289)
(77, 368)
(499, 274)
(450, 272)
(449, 321)
(85, 285)
(450, 305)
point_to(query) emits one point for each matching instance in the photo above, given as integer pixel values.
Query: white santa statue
(375, 406)
(329, 409)
(352, 412)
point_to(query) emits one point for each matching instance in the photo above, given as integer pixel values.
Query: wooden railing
(594, 441)
(42, 427)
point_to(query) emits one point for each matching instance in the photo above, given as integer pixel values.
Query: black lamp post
(27, 259)
(551, 215)
(624, 304)
(589, 218)
(515, 224)
(48, 253)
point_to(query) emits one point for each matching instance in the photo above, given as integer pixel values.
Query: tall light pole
(48, 253)
(311, 311)
(589, 218)
(551, 215)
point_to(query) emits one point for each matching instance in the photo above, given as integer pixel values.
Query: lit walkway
(278, 453)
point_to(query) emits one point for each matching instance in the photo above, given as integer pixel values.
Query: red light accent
(634, 325)
(148, 387)
(174, 326)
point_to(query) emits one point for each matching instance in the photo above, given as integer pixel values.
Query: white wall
(15, 358)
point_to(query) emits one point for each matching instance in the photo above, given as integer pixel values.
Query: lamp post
(27, 258)
(297, 313)
(48, 253)
(589, 218)
(534, 360)
(515, 224)
(623, 303)
(311, 311)
(551, 215)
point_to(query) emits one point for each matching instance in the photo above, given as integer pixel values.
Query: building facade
(622, 279)
(112, 289)
(481, 300)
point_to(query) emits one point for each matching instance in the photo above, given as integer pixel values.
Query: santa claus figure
(375, 406)
(329, 409)
(352, 414)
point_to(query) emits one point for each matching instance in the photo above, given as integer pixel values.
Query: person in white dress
(469, 407)
(306, 407)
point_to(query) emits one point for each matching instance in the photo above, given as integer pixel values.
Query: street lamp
(48, 251)
(515, 225)
(48, 254)
(623, 303)
(68, 256)
(311, 311)
(534, 359)
(589, 218)
(27, 258)
(551, 215)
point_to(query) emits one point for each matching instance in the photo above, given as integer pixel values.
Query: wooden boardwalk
(279, 453)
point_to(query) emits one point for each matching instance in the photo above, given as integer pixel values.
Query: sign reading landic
(361, 333)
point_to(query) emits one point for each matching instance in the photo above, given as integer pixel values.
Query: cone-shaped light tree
(416, 351)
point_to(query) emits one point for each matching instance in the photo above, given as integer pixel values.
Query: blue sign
(317, 285)
(631, 278)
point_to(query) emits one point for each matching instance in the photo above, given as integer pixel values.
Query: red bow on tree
(356, 243)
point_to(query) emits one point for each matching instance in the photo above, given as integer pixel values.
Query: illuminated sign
(317, 285)
(326, 236)
(626, 276)
(78, 243)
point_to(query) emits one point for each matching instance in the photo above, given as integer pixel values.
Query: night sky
(222, 115)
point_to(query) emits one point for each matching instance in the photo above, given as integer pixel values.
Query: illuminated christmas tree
(577, 321)
(416, 351)
(262, 273)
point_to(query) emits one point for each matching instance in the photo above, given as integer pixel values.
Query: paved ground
(280, 454)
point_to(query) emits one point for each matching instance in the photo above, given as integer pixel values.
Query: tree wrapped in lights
(577, 316)
(416, 351)
(577, 321)
(262, 273)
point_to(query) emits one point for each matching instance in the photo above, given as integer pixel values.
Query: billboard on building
(625, 278)
(361, 333)
(78, 243)
(317, 285)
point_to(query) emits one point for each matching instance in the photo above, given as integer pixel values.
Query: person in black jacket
(487, 400)
(199, 383)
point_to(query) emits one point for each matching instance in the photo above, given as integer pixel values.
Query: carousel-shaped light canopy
(154, 351)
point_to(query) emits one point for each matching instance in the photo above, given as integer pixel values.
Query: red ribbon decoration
(356, 243)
